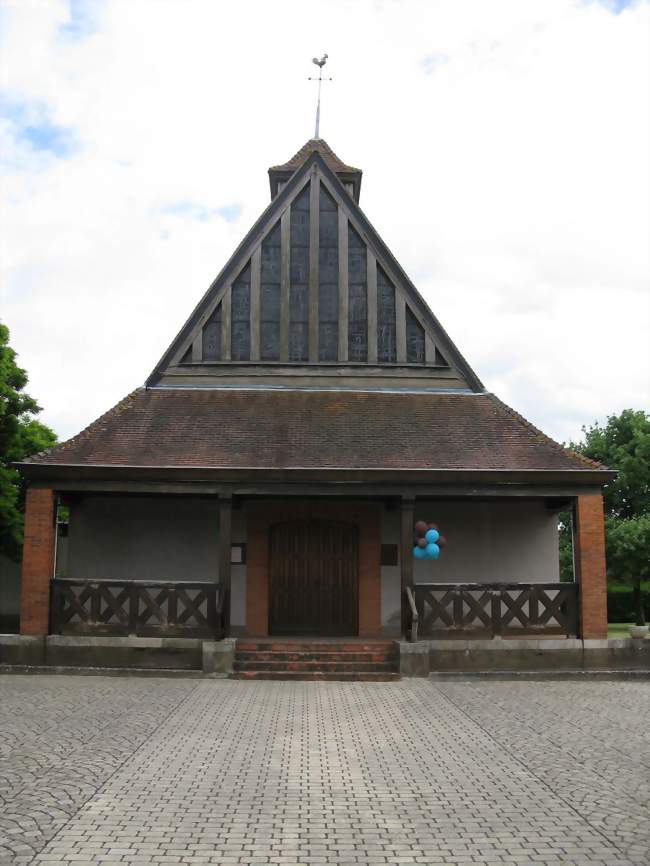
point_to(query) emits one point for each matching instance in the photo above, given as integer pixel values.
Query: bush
(620, 603)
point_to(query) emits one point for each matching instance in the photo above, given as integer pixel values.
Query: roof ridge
(543, 437)
(95, 425)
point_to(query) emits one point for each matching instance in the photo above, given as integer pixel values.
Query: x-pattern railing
(143, 608)
(488, 609)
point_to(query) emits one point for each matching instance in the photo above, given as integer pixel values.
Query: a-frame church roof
(313, 292)
(312, 351)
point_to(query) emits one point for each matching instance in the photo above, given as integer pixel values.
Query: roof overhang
(564, 479)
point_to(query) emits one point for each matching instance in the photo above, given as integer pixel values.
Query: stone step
(308, 665)
(315, 659)
(338, 676)
(278, 645)
(264, 655)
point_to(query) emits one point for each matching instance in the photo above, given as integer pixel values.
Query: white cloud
(504, 148)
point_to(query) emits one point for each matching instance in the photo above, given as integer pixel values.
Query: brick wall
(589, 557)
(38, 562)
(260, 517)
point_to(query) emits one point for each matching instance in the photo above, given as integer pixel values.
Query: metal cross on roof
(320, 63)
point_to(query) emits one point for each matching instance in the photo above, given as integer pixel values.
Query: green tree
(628, 554)
(20, 435)
(623, 443)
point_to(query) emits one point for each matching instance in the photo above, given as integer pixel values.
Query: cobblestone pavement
(120, 770)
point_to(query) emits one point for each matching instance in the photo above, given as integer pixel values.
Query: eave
(545, 481)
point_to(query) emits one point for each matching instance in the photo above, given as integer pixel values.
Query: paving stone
(102, 770)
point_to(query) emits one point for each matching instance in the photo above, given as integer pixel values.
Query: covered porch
(308, 562)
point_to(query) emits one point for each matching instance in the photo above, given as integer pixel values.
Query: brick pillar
(38, 562)
(589, 559)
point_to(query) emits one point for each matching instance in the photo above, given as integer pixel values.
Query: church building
(266, 480)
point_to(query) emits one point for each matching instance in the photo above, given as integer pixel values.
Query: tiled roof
(275, 429)
(320, 146)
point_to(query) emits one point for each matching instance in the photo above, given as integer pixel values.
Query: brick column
(589, 560)
(38, 562)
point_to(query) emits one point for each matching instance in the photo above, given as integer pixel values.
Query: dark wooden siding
(313, 587)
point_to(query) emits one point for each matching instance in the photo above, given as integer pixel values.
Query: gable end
(312, 295)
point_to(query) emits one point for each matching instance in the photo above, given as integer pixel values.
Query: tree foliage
(623, 443)
(628, 554)
(20, 436)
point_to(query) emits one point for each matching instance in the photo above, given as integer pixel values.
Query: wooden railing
(482, 610)
(136, 607)
(414, 616)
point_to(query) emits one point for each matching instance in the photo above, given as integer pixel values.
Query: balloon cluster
(428, 541)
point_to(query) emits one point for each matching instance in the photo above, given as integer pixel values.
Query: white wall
(487, 542)
(161, 538)
(176, 538)
(238, 572)
(144, 538)
(391, 616)
(492, 542)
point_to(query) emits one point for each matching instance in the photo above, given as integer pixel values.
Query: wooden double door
(313, 578)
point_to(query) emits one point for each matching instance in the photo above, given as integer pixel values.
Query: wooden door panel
(313, 582)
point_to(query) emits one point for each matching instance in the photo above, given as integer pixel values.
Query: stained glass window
(357, 298)
(299, 272)
(414, 339)
(270, 296)
(328, 278)
(240, 339)
(212, 337)
(386, 343)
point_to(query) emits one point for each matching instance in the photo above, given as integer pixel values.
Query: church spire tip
(320, 62)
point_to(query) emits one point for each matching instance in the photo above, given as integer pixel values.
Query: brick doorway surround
(260, 516)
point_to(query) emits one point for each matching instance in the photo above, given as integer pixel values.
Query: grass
(619, 629)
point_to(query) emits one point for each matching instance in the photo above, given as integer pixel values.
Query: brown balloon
(420, 527)
(441, 541)
(432, 526)
(422, 542)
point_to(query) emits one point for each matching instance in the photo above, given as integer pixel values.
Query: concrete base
(424, 657)
(214, 658)
(542, 676)
(414, 659)
(218, 657)
(420, 659)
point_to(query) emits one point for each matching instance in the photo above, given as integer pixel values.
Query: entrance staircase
(346, 659)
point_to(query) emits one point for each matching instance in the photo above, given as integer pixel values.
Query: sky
(504, 146)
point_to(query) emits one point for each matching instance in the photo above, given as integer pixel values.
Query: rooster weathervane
(320, 63)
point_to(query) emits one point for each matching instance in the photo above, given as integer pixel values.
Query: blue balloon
(432, 551)
(419, 552)
(431, 536)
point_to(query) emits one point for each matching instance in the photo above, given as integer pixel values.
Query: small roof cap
(347, 174)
